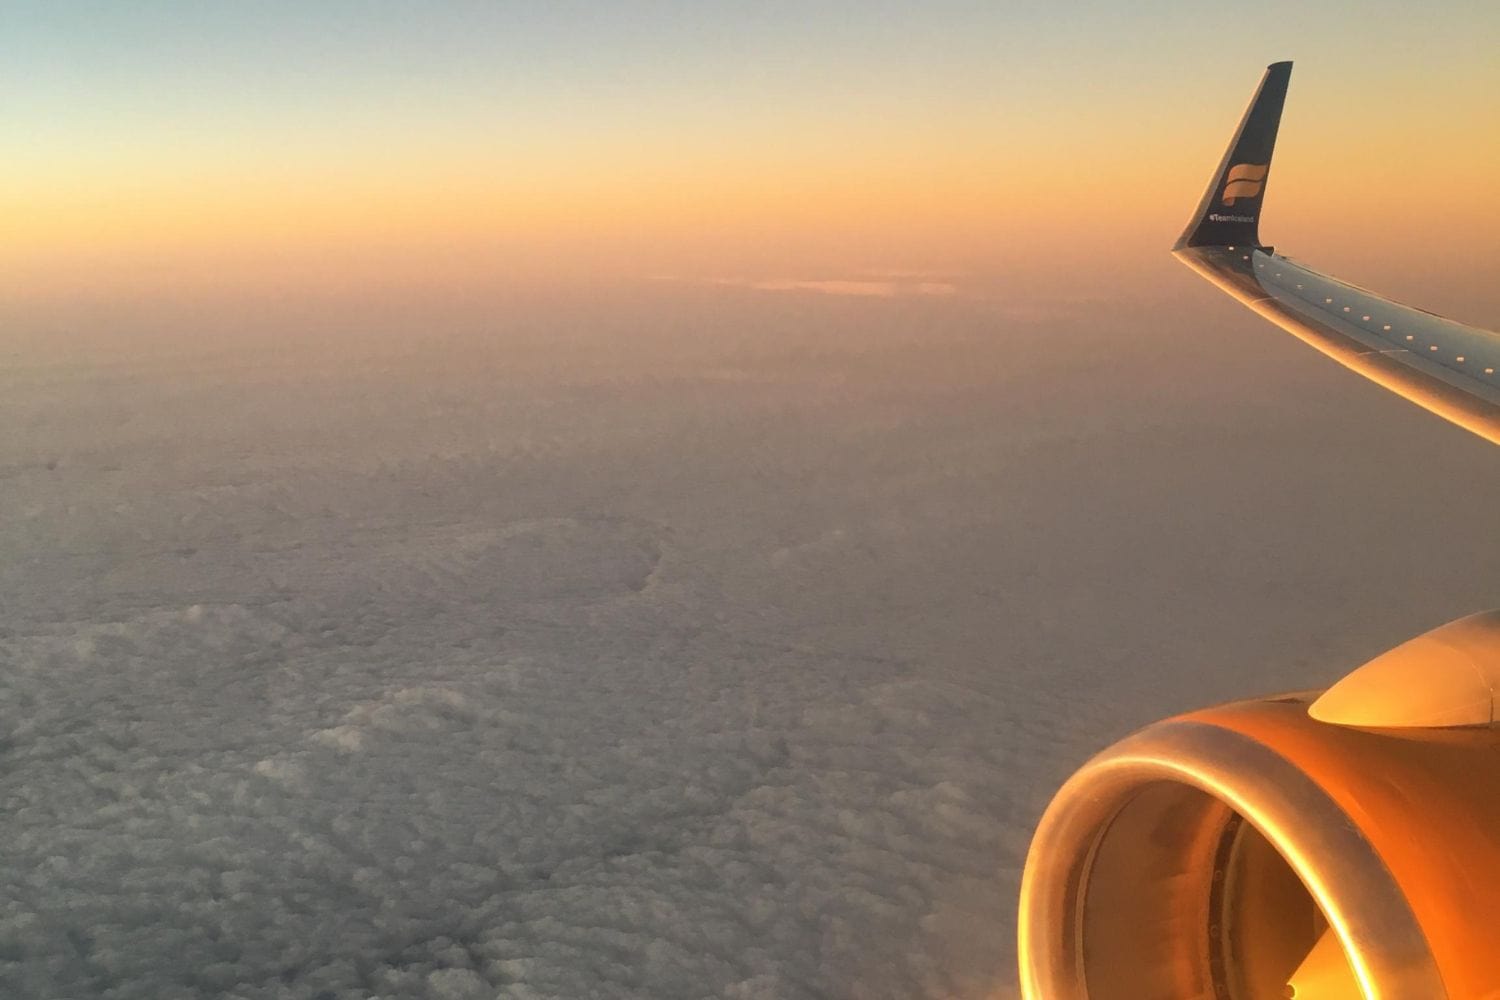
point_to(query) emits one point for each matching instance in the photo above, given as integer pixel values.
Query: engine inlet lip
(1336, 863)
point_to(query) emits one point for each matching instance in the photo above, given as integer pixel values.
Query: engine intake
(1192, 861)
(1335, 849)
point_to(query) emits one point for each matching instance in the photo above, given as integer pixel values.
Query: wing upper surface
(1446, 367)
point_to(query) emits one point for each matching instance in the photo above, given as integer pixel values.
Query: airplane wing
(1448, 368)
(1316, 845)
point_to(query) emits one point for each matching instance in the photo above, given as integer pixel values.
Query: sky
(161, 149)
(650, 500)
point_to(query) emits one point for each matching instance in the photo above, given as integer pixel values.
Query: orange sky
(1033, 167)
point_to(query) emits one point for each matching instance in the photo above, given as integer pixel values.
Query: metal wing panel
(1445, 367)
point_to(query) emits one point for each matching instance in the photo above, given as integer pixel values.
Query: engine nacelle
(1343, 847)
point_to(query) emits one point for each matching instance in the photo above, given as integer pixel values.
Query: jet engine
(1329, 846)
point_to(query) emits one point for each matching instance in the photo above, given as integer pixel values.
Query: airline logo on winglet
(1244, 180)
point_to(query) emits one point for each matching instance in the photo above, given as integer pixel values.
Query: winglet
(1229, 214)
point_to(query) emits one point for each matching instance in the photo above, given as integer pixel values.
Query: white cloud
(544, 665)
(884, 285)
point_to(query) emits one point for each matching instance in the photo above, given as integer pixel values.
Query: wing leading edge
(1448, 368)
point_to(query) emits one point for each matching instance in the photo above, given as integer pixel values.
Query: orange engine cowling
(1343, 847)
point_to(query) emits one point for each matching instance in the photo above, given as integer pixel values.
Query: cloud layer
(726, 648)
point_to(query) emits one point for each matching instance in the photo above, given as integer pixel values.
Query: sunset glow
(474, 144)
